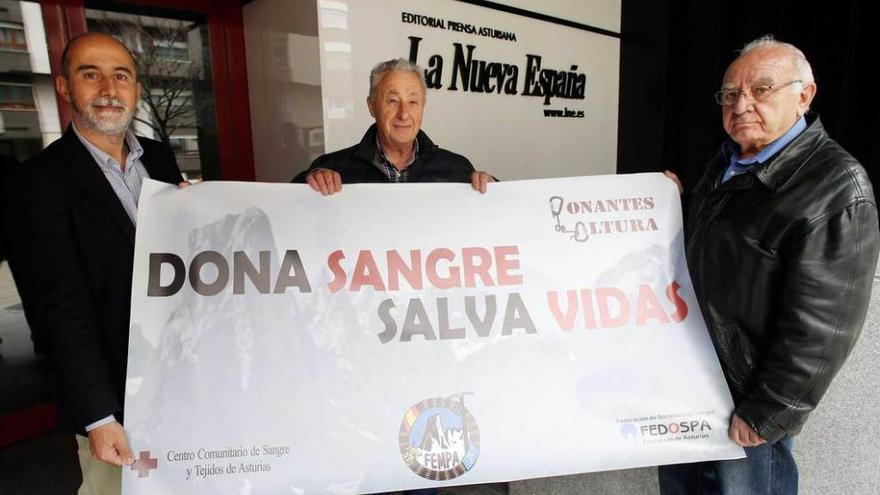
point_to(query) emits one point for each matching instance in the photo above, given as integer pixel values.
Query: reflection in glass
(284, 83)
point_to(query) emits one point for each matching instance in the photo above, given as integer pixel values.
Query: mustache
(107, 101)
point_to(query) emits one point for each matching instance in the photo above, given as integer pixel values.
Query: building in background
(28, 108)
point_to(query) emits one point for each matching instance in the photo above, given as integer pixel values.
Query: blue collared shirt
(126, 183)
(739, 167)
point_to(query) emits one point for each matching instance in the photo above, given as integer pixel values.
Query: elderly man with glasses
(782, 242)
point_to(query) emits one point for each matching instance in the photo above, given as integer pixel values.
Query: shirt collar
(732, 149)
(135, 150)
(382, 158)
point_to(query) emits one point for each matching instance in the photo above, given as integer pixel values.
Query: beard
(110, 123)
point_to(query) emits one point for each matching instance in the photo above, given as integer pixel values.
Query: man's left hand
(479, 180)
(743, 434)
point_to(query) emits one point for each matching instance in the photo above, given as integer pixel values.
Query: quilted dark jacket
(355, 164)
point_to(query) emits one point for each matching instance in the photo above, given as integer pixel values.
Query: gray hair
(383, 68)
(798, 60)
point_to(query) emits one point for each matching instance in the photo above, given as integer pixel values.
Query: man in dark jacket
(74, 247)
(782, 243)
(394, 149)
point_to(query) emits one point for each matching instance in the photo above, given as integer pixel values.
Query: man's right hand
(743, 434)
(109, 444)
(325, 181)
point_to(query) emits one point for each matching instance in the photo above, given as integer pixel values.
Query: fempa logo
(594, 217)
(439, 439)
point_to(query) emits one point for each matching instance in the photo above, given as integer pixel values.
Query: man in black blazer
(75, 246)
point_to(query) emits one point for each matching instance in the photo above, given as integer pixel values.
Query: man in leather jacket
(782, 242)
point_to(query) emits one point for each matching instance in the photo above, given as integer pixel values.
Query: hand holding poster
(389, 338)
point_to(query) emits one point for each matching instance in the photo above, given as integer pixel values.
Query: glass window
(177, 51)
(16, 96)
(28, 107)
(12, 37)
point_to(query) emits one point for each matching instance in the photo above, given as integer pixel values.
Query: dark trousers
(768, 469)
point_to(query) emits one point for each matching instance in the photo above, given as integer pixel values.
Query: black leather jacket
(782, 259)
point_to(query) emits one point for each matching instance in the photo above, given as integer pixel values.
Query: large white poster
(419, 335)
(520, 97)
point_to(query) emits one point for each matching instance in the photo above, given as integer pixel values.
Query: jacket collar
(135, 150)
(81, 167)
(776, 172)
(780, 168)
(366, 149)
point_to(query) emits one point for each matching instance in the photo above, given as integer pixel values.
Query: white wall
(508, 133)
(294, 115)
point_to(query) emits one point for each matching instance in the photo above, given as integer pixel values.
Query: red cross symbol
(144, 464)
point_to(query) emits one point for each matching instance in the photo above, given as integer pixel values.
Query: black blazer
(355, 164)
(10, 220)
(7, 167)
(74, 246)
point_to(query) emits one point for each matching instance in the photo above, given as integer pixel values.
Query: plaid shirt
(386, 167)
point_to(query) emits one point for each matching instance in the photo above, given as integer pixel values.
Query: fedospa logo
(439, 438)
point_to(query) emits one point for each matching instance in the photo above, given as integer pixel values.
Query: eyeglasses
(759, 93)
